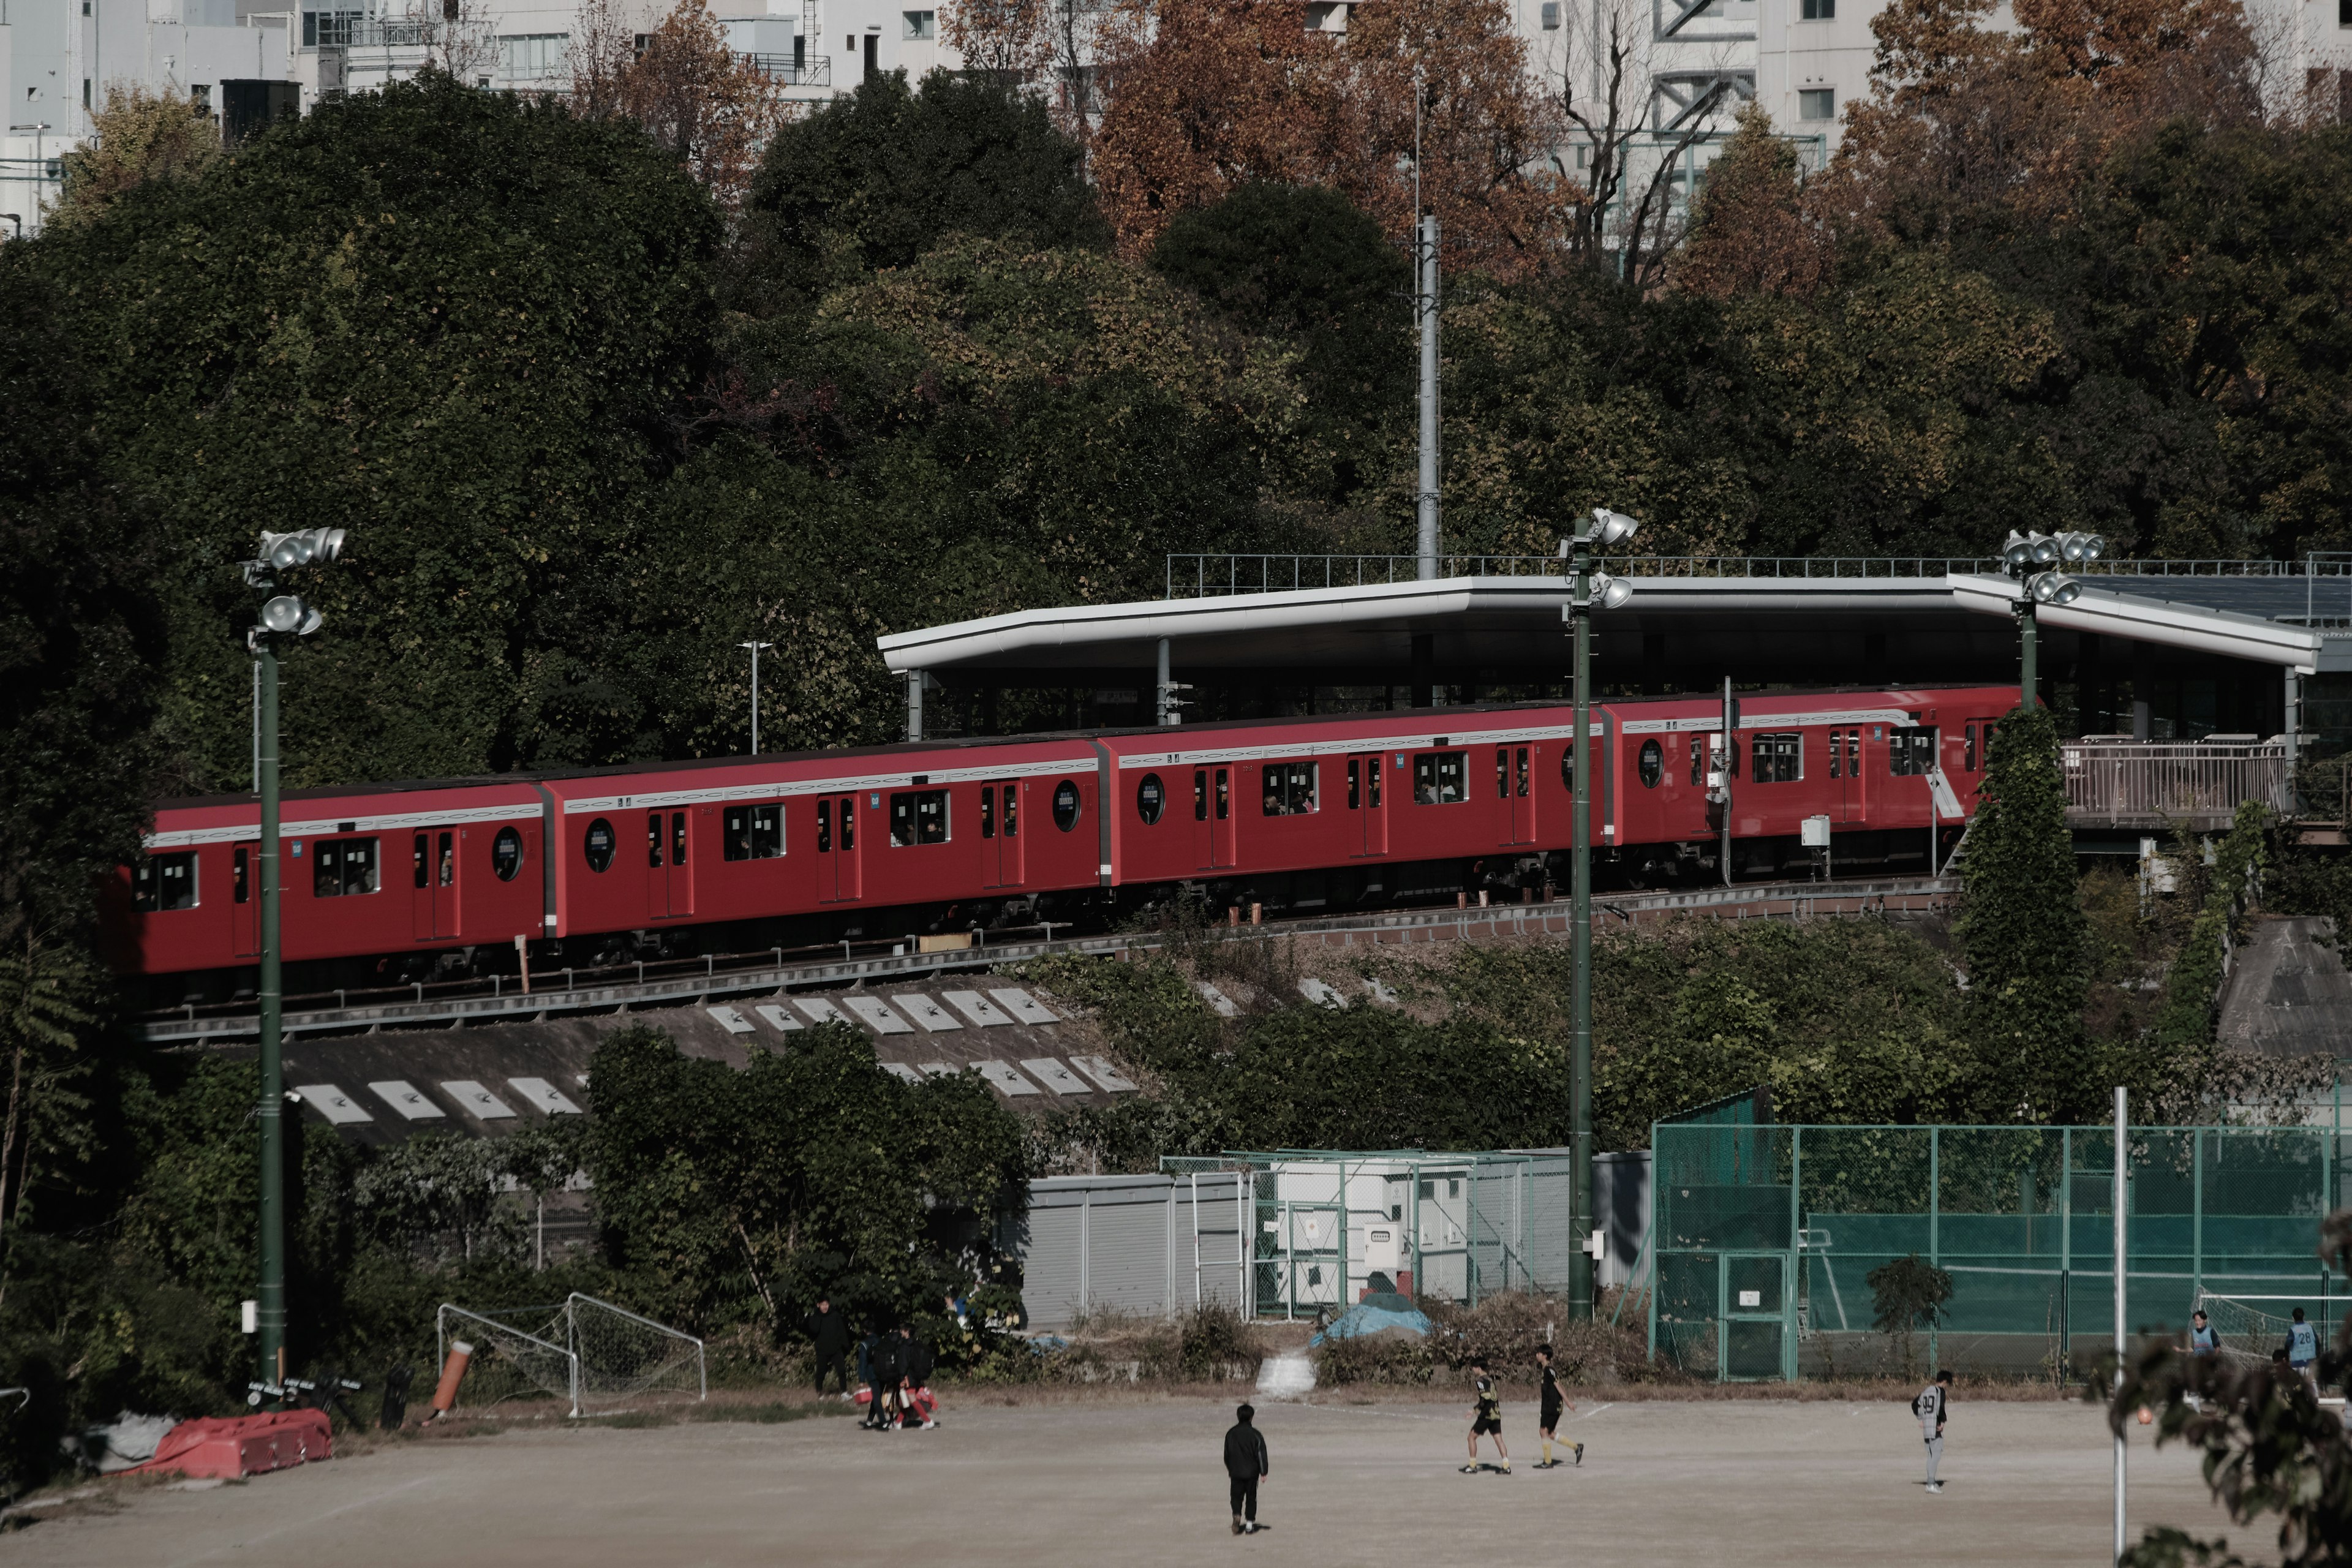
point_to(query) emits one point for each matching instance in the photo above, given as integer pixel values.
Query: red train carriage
(399, 882)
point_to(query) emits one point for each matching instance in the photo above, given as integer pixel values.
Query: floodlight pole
(1425, 307)
(269, 994)
(755, 647)
(1580, 1071)
(2121, 1205)
(2028, 654)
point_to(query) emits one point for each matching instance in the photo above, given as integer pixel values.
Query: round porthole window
(1568, 767)
(599, 844)
(506, 854)
(1150, 799)
(1065, 806)
(1652, 764)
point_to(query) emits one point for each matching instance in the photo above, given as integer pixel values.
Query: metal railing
(1203, 576)
(2152, 783)
(813, 70)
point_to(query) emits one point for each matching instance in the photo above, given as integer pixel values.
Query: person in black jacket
(1245, 1462)
(915, 1364)
(887, 1374)
(828, 1334)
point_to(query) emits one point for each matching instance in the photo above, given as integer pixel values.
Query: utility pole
(2121, 1205)
(755, 647)
(1425, 307)
(1590, 589)
(283, 614)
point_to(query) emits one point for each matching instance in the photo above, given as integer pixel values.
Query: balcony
(816, 70)
(2159, 785)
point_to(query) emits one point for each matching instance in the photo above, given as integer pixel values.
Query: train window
(598, 845)
(1780, 759)
(1011, 811)
(1568, 767)
(755, 832)
(240, 877)
(1224, 793)
(1968, 749)
(1441, 778)
(164, 882)
(343, 868)
(419, 854)
(987, 812)
(1502, 772)
(1698, 760)
(824, 826)
(1522, 773)
(1200, 794)
(1373, 769)
(448, 859)
(1652, 763)
(1288, 789)
(1065, 806)
(1150, 799)
(506, 855)
(918, 816)
(652, 839)
(1356, 783)
(1910, 752)
(678, 838)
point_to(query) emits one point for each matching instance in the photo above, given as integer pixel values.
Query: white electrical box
(1383, 1247)
(1816, 832)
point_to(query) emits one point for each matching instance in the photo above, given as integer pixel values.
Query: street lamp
(283, 614)
(16, 219)
(2032, 559)
(755, 648)
(1593, 589)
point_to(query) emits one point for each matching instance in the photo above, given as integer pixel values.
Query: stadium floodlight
(286, 550)
(2055, 588)
(2045, 547)
(288, 613)
(2016, 551)
(2075, 548)
(1609, 593)
(1612, 527)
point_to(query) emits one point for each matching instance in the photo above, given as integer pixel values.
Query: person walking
(888, 1375)
(828, 1335)
(865, 1375)
(1246, 1466)
(915, 1364)
(1485, 1416)
(1552, 1400)
(2303, 1352)
(1931, 1404)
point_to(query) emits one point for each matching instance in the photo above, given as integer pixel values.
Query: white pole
(2121, 1204)
(755, 646)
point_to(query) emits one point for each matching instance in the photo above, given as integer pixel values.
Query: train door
(1000, 836)
(836, 848)
(669, 876)
(1213, 817)
(1371, 834)
(432, 852)
(1515, 801)
(245, 898)
(1846, 802)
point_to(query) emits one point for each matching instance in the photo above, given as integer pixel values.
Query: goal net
(2252, 1327)
(589, 1353)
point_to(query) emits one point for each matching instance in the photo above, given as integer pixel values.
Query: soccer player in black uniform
(1552, 1400)
(1485, 1416)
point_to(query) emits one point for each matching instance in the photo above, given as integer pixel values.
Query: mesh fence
(589, 1353)
(1766, 1238)
(1328, 1226)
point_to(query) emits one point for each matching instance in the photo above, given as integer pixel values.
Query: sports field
(1135, 1479)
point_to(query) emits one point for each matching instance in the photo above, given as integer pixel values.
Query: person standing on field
(1246, 1466)
(1930, 1405)
(828, 1334)
(1485, 1416)
(1552, 1400)
(2303, 1352)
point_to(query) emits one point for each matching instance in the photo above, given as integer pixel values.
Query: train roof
(966, 742)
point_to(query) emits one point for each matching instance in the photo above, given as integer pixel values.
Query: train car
(395, 883)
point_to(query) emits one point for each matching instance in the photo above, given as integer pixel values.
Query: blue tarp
(1366, 1317)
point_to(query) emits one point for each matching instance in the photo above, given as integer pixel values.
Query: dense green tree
(874, 179)
(458, 323)
(1303, 263)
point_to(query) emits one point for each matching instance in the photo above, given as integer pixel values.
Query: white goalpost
(587, 1353)
(2251, 1327)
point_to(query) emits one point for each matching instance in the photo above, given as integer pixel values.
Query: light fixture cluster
(288, 613)
(1608, 528)
(2033, 560)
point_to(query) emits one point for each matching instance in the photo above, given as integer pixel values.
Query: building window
(1150, 799)
(598, 845)
(506, 855)
(1780, 759)
(330, 29)
(1288, 789)
(533, 56)
(755, 832)
(1065, 806)
(343, 868)
(200, 99)
(918, 816)
(1911, 753)
(1551, 16)
(1652, 763)
(164, 882)
(922, 26)
(1441, 778)
(1817, 103)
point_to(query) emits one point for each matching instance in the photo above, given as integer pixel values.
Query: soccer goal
(590, 1353)
(2252, 1327)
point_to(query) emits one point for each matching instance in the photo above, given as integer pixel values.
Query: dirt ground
(1137, 1480)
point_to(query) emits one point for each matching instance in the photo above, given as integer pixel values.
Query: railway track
(677, 984)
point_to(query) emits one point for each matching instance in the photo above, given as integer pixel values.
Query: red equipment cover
(230, 1447)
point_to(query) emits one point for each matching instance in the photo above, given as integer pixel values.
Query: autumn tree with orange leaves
(708, 106)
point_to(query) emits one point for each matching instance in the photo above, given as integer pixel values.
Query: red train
(398, 882)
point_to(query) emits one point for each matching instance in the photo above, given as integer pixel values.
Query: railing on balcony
(2156, 783)
(814, 70)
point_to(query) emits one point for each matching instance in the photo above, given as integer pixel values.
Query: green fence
(1764, 1238)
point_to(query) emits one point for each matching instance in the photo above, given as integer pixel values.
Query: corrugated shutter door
(1552, 1196)
(1128, 1266)
(1050, 1280)
(1219, 1222)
